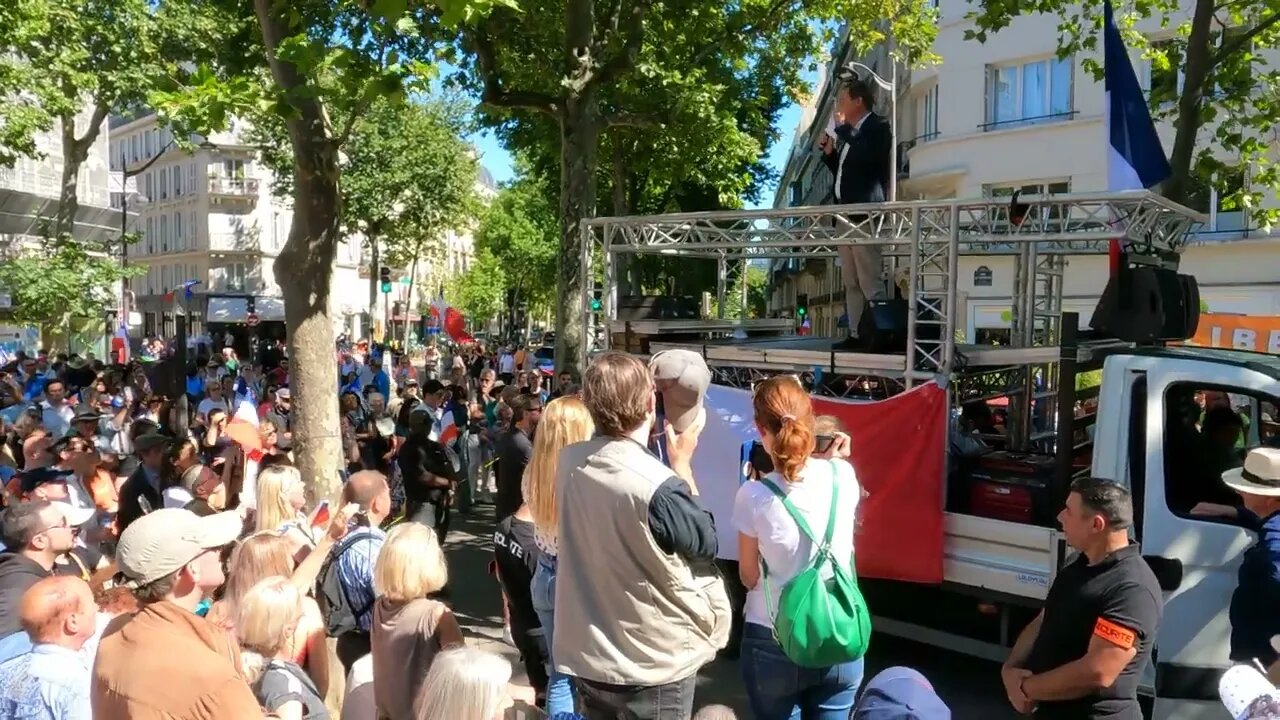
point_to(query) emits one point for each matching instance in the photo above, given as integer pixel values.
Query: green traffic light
(595, 305)
(802, 311)
(386, 287)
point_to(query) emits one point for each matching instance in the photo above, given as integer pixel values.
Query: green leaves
(480, 291)
(521, 229)
(63, 279)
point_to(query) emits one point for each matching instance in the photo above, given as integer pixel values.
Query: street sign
(252, 320)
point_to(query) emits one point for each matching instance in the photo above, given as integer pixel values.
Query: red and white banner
(898, 452)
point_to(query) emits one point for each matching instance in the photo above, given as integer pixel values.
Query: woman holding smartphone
(770, 540)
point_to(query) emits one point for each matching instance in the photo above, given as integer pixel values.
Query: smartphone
(320, 516)
(759, 459)
(822, 443)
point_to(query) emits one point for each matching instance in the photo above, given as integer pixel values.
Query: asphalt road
(970, 687)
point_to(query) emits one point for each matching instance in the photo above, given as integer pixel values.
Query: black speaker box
(883, 326)
(1147, 304)
(657, 307)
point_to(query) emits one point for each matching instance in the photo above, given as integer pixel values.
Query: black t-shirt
(1118, 600)
(514, 451)
(517, 558)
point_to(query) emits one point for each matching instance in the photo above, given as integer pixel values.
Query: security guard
(1081, 658)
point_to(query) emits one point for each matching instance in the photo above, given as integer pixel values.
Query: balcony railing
(1021, 122)
(234, 187)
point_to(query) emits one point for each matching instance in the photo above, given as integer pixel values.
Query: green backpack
(819, 622)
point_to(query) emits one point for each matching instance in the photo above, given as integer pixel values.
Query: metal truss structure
(926, 240)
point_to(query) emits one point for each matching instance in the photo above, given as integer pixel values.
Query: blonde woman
(280, 498)
(266, 622)
(565, 421)
(409, 629)
(259, 557)
(465, 684)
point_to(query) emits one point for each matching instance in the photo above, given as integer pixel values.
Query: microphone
(1247, 694)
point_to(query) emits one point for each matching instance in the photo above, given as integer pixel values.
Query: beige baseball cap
(161, 542)
(682, 377)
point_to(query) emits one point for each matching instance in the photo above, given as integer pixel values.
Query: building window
(164, 233)
(179, 237)
(151, 236)
(982, 277)
(235, 277)
(177, 180)
(1029, 93)
(148, 186)
(796, 192)
(1061, 187)
(927, 115)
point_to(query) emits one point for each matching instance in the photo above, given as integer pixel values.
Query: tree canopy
(65, 58)
(1210, 76)
(62, 279)
(519, 230)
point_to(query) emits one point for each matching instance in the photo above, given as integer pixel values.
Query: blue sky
(499, 161)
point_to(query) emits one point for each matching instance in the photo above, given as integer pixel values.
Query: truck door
(1197, 556)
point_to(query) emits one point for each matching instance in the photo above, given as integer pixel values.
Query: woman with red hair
(771, 541)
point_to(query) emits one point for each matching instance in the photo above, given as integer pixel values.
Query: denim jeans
(559, 686)
(602, 701)
(778, 689)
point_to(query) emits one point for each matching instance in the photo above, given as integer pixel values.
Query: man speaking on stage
(856, 146)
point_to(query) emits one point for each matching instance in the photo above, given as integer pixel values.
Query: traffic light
(802, 307)
(384, 274)
(595, 301)
(252, 305)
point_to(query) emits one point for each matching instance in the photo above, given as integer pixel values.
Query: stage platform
(804, 354)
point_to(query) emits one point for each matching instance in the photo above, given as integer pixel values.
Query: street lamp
(891, 86)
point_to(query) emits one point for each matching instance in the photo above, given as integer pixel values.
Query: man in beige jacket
(635, 570)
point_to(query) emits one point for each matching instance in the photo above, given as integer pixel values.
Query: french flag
(1135, 158)
(446, 430)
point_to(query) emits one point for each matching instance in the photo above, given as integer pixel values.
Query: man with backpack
(346, 580)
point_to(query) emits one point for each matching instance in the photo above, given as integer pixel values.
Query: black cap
(86, 413)
(432, 386)
(32, 479)
(150, 441)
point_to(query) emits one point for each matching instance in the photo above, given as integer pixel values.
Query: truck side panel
(1004, 557)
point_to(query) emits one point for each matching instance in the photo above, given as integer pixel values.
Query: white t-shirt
(507, 364)
(209, 404)
(758, 513)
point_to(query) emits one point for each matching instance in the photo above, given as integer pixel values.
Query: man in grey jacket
(636, 558)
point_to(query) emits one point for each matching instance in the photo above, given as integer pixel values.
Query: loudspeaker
(883, 326)
(1147, 304)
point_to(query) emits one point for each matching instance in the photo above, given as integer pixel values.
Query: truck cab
(1150, 433)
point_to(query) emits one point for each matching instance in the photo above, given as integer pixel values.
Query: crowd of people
(160, 563)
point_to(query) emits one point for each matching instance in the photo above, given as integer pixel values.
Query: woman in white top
(565, 421)
(777, 688)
